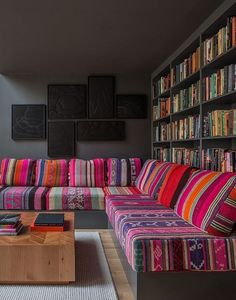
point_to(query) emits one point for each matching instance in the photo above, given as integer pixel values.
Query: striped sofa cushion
(208, 201)
(23, 197)
(79, 198)
(174, 182)
(123, 172)
(17, 172)
(145, 172)
(87, 173)
(51, 172)
(152, 177)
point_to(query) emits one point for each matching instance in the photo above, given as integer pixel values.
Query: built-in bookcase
(194, 98)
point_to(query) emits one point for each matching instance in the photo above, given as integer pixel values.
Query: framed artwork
(61, 139)
(101, 90)
(131, 106)
(28, 122)
(100, 130)
(67, 101)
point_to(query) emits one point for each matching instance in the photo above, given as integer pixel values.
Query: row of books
(10, 224)
(186, 97)
(189, 66)
(183, 129)
(161, 86)
(218, 159)
(219, 123)
(222, 41)
(219, 83)
(186, 156)
(161, 154)
(187, 128)
(162, 109)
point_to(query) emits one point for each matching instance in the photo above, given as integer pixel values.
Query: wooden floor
(121, 283)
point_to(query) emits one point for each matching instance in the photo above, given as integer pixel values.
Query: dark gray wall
(33, 90)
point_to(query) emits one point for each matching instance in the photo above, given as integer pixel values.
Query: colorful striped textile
(155, 178)
(51, 172)
(82, 198)
(24, 172)
(145, 172)
(23, 197)
(206, 201)
(122, 190)
(7, 171)
(174, 182)
(123, 172)
(90, 173)
(155, 239)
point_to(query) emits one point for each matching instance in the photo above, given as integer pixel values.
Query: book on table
(48, 222)
(10, 224)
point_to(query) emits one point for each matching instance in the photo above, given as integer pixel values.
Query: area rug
(93, 282)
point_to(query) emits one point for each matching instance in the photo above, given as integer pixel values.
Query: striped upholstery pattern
(174, 182)
(7, 171)
(204, 199)
(123, 172)
(155, 239)
(51, 172)
(17, 172)
(82, 198)
(23, 197)
(121, 190)
(87, 173)
(155, 178)
(145, 172)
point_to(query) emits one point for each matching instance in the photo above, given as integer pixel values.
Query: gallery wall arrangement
(77, 112)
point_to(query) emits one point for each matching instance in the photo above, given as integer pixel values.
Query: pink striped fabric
(24, 172)
(200, 202)
(145, 173)
(87, 173)
(7, 171)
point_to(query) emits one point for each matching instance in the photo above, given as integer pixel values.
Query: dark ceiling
(94, 36)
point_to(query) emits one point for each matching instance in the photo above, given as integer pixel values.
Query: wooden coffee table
(38, 257)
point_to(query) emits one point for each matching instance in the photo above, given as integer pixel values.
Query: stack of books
(186, 98)
(219, 123)
(186, 156)
(221, 82)
(161, 154)
(10, 224)
(162, 109)
(161, 86)
(189, 66)
(48, 222)
(222, 41)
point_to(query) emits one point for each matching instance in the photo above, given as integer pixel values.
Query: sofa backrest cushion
(17, 172)
(208, 202)
(87, 173)
(123, 172)
(173, 184)
(51, 172)
(152, 176)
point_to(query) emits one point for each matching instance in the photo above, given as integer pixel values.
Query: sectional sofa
(174, 224)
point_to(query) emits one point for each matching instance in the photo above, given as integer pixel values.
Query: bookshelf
(198, 82)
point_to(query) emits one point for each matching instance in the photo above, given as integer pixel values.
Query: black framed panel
(61, 139)
(68, 101)
(100, 130)
(101, 91)
(28, 122)
(131, 106)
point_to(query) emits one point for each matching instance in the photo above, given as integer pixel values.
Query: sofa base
(177, 285)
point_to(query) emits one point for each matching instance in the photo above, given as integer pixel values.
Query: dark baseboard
(178, 285)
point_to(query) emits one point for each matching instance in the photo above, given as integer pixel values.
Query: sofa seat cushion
(23, 197)
(155, 239)
(122, 190)
(75, 198)
(208, 201)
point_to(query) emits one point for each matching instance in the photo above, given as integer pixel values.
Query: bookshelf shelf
(217, 31)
